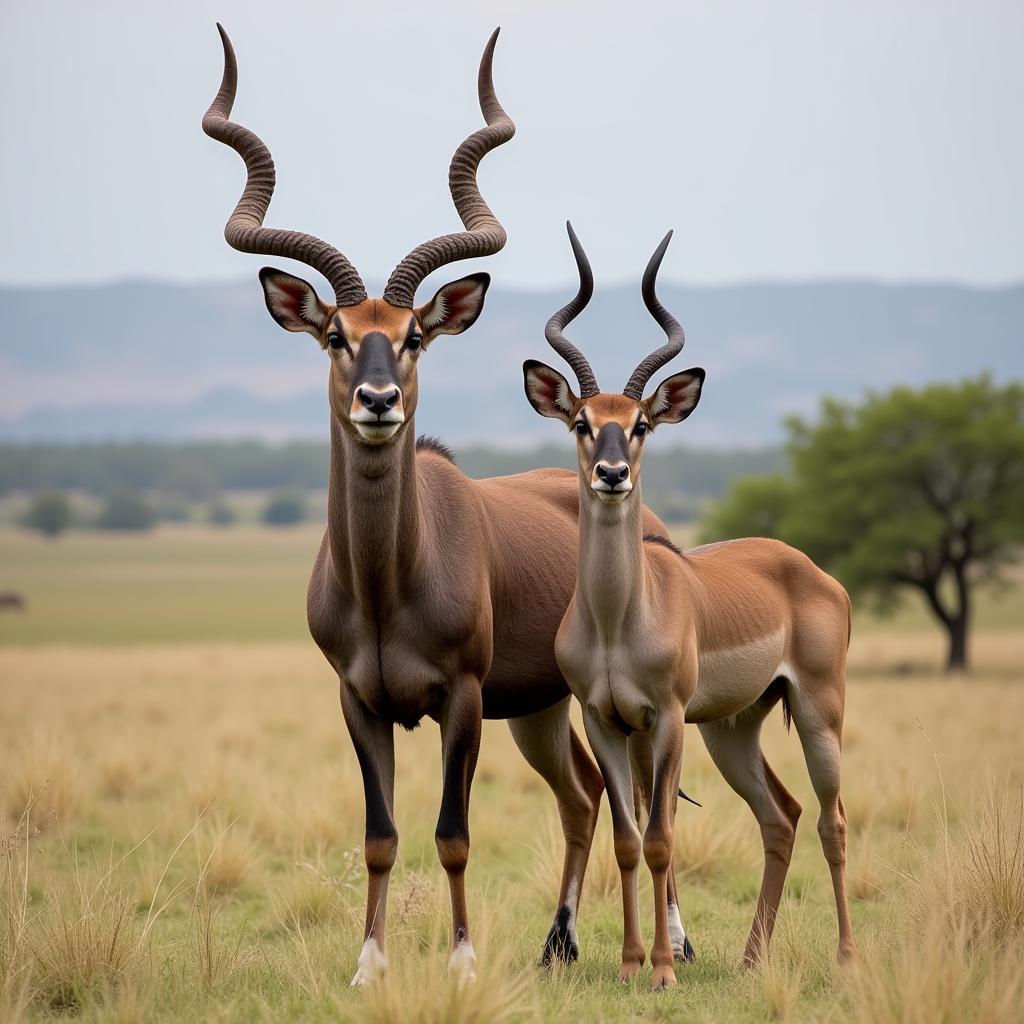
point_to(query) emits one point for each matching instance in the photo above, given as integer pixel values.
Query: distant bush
(678, 509)
(220, 513)
(126, 511)
(284, 509)
(49, 514)
(171, 510)
(755, 507)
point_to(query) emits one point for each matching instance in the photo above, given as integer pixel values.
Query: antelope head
(373, 344)
(610, 428)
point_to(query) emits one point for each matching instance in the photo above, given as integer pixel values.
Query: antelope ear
(548, 391)
(293, 303)
(454, 308)
(675, 397)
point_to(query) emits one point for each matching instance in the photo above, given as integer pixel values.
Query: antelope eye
(335, 340)
(413, 342)
(581, 428)
(640, 429)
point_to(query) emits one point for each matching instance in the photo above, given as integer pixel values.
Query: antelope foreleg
(460, 744)
(374, 743)
(609, 746)
(659, 838)
(641, 758)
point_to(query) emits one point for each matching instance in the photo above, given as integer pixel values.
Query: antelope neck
(374, 523)
(611, 578)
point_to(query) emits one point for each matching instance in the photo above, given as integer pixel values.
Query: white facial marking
(372, 964)
(371, 427)
(377, 433)
(604, 491)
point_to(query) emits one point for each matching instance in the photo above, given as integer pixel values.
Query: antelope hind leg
(551, 747)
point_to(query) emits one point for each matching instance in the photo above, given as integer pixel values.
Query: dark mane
(656, 538)
(424, 443)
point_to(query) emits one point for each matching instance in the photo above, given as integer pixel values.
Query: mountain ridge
(157, 359)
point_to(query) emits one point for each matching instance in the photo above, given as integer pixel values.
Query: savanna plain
(182, 821)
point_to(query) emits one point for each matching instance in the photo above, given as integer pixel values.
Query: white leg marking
(462, 963)
(371, 965)
(676, 932)
(572, 900)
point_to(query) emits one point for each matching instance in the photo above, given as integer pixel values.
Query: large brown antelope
(432, 594)
(654, 637)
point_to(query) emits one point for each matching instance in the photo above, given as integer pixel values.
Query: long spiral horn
(484, 234)
(668, 323)
(244, 230)
(553, 330)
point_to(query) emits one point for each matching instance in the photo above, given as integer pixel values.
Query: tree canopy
(284, 509)
(50, 513)
(126, 511)
(911, 490)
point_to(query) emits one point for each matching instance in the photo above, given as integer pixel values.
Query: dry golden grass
(938, 975)
(44, 776)
(227, 857)
(200, 817)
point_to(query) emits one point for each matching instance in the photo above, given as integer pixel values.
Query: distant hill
(161, 361)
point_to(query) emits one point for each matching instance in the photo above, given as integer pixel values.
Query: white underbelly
(732, 678)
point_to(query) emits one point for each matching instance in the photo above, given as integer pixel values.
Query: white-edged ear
(675, 397)
(293, 303)
(454, 308)
(548, 391)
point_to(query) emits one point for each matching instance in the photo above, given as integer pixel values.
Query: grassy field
(192, 583)
(191, 851)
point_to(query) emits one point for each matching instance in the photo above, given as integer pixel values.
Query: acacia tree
(912, 490)
(50, 513)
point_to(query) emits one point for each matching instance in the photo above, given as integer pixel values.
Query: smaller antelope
(654, 637)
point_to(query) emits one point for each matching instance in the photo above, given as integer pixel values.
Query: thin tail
(689, 798)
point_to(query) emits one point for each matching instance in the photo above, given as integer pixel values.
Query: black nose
(612, 475)
(378, 402)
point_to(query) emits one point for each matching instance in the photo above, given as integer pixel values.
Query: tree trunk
(956, 660)
(954, 622)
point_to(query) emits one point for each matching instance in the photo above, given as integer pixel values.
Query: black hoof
(559, 944)
(689, 954)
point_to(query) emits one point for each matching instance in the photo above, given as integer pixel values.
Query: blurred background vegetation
(908, 492)
(912, 498)
(225, 481)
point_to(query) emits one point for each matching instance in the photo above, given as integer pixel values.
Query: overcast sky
(781, 140)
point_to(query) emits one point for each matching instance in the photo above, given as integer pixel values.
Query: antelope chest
(619, 682)
(400, 665)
